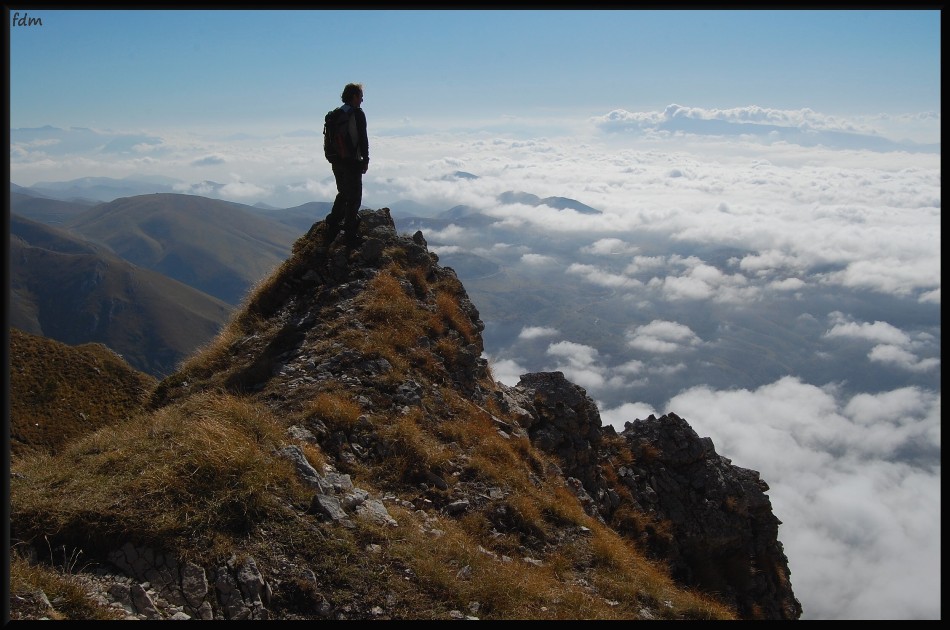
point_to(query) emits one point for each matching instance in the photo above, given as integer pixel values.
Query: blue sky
(251, 68)
(806, 141)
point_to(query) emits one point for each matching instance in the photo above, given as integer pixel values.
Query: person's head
(351, 90)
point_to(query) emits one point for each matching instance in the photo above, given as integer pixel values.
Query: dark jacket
(358, 125)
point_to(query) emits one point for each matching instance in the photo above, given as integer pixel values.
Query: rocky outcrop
(722, 536)
(140, 583)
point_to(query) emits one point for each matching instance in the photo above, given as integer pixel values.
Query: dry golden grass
(218, 354)
(447, 566)
(59, 392)
(649, 452)
(448, 349)
(387, 303)
(314, 455)
(214, 354)
(471, 422)
(392, 323)
(451, 567)
(536, 511)
(640, 525)
(448, 313)
(251, 315)
(203, 470)
(200, 474)
(414, 450)
(562, 507)
(337, 411)
(420, 283)
(623, 573)
(494, 458)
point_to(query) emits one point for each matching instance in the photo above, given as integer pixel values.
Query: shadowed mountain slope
(78, 292)
(341, 451)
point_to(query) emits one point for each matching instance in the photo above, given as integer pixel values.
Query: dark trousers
(346, 206)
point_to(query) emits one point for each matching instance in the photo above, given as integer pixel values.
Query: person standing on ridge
(348, 169)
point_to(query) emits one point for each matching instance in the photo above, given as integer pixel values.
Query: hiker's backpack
(337, 144)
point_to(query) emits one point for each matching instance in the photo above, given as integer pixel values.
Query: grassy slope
(59, 392)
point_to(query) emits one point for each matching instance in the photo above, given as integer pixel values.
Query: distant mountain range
(96, 189)
(151, 276)
(559, 203)
(88, 191)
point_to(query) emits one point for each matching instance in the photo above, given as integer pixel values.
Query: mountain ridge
(348, 405)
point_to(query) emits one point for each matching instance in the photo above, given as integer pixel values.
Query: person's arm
(364, 138)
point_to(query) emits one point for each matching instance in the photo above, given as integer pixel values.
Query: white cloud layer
(891, 345)
(536, 332)
(663, 337)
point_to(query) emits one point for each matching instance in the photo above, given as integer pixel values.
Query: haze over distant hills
(87, 191)
(95, 189)
(45, 209)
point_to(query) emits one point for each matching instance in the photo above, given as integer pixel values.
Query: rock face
(723, 535)
(657, 482)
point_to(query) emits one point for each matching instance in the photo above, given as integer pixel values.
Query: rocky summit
(342, 451)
